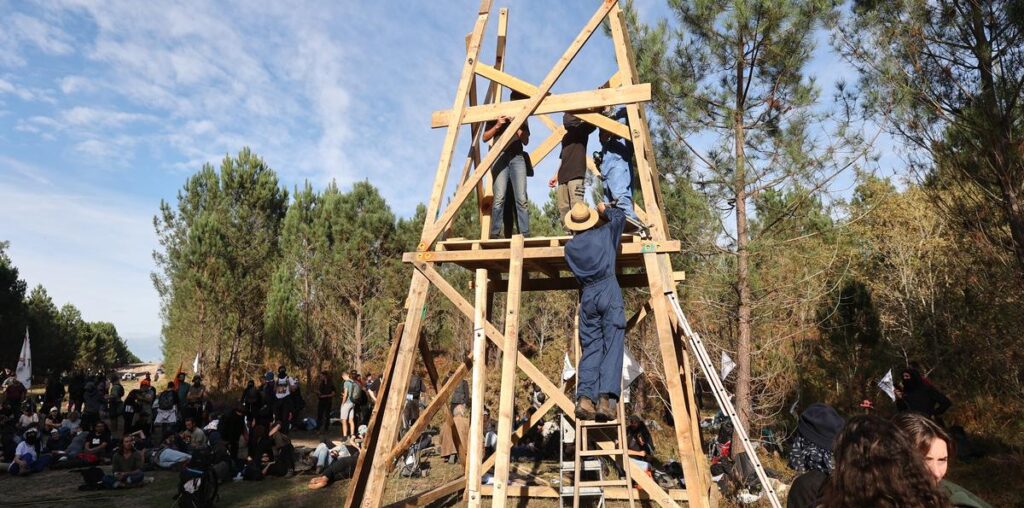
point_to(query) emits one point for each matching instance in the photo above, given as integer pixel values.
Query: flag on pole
(886, 385)
(568, 371)
(195, 365)
(727, 365)
(24, 369)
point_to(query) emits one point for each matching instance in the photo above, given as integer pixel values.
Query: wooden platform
(552, 492)
(541, 255)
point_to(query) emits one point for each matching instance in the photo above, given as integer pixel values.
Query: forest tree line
(61, 340)
(810, 270)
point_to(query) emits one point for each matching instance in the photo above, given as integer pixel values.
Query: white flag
(568, 371)
(631, 369)
(886, 385)
(24, 369)
(195, 365)
(727, 365)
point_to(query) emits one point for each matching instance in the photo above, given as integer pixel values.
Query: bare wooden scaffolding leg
(675, 383)
(398, 383)
(508, 373)
(476, 426)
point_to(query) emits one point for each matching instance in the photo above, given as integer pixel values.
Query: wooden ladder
(617, 452)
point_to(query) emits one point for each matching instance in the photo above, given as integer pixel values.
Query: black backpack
(358, 395)
(166, 401)
(197, 489)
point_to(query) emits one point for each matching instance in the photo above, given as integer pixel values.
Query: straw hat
(580, 217)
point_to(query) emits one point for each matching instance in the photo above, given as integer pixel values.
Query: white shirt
(25, 448)
(28, 421)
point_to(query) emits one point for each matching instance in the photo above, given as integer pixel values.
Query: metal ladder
(722, 396)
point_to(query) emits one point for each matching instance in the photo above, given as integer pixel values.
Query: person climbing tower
(591, 256)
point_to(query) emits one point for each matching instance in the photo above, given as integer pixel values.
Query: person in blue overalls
(617, 169)
(591, 255)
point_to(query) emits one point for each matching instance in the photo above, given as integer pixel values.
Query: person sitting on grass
(29, 419)
(98, 441)
(127, 466)
(72, 423)
(27, 459)
(639, 445)
(52, 421)
(194, 436)
(326, 453)
(936, 447)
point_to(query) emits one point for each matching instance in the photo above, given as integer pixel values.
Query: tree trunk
(359, 339)
(744, 404)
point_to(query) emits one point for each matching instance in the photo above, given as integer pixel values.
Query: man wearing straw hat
(591, 255)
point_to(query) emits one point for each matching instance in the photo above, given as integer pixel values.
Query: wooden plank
(596, 119)
(555, 103)
(458, 109)
(673, 379)
(631, 280)
(440, 402)
(362, 471)
(397, 387)
(638, 318)
(553, 392)
(476, 422)
(431, 230)
(521, 431)
(430, 496)
(493, 96)
(506, 398)
(617, 493)
(551, 253)
(443, 394)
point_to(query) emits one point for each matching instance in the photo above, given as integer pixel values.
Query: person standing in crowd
(252, 400)
(146, 398)
(54, 395)
(114, 403)
(571, 175)
(591, 255)
(459, 405)
(181, 387)
(232, 429)
(372, 388)
(93, 401)
(325, 398)
(412, 399)
(347, 406)
(76, 392)
(877, 466)
(167, 404)
(362, 402)
(921, 397)
(131, 407)
(509, 169)
(283, 398)
(936, 448)
(195, 401)
(15, 394)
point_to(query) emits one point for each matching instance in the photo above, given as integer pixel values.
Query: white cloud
(74, 84)
(82, 116)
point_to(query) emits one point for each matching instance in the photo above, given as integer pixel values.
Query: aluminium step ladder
(611, 432)
(722, 396)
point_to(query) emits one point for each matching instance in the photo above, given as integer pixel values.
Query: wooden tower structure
(514, 265)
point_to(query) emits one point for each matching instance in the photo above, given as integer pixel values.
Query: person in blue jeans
(27, 459)
(509, 169)
(617, 168)
(591, 256)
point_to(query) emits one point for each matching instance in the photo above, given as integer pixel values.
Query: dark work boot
(607, 409)
(585, 409)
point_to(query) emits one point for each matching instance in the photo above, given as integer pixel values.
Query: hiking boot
(585, 409)
(606, 409)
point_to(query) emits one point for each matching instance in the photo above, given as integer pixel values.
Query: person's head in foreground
(933, 443)
(877, 466)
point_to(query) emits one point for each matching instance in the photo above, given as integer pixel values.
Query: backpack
(197, 489)
(166, 401)
(358, 395)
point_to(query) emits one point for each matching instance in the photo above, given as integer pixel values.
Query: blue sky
(107, 106)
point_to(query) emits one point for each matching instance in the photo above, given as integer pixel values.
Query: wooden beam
(438, 403)
(630, 248)
(362, 471)
(521, 431)
(596, 119)
(443, 393)
(458, 109)
(617, 493)
(432, 228)
(476, 422)
(483, 185)
(549, 104)
(506, 398)
(398, 385)
(674, 381)
(430, 496)
(547, 146)
(630, 280)
(638, 318)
